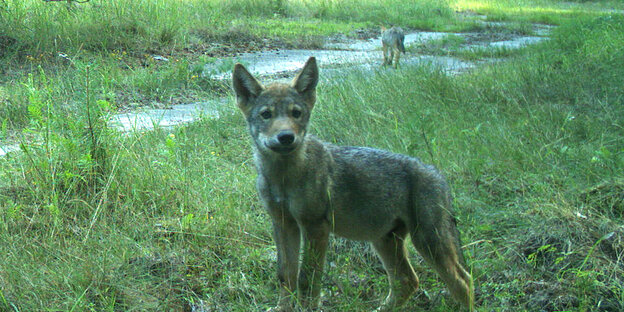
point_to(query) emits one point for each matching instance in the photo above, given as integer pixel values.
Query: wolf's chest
(299, 197)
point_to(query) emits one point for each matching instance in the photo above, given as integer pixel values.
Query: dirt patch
(238, 40)
(367, 33)
(358, 34)
(486, 37)
(233, 41)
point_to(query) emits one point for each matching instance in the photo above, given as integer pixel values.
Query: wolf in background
(311, 188)
(392, 45)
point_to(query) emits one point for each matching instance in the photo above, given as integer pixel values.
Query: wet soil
(336, 54)
(273, 60)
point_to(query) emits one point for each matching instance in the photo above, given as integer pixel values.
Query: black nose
(286, 137)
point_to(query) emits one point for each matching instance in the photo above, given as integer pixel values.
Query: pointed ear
(245, 86)
(306, 81)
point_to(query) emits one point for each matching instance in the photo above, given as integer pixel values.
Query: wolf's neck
(283, 167)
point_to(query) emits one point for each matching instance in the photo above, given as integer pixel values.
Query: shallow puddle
(5, 149)
(516, 43)
(148, 119)
(374, 44)
(276, 65)
(271, 65)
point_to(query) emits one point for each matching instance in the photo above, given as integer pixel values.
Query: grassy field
(168, 220)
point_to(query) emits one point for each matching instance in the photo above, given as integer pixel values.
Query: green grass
(536, 11)
(534, 149)
(36, 28)
(118, 39)
(92, 220)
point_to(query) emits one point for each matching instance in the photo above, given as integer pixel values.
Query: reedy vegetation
(94, 220)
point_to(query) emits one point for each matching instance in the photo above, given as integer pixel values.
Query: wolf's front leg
(286, 235)
(315, 240)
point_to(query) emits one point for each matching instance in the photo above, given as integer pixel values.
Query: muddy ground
(336, 54)
(273, 60)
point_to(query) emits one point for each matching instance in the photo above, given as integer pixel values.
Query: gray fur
(392, 44)
(311, 188)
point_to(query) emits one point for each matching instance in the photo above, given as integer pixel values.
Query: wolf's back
(394, 37)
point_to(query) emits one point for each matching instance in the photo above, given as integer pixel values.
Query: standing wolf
(311, 188)
(392, 44)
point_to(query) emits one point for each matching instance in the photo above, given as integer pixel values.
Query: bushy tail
(401, 39)
(401, 45)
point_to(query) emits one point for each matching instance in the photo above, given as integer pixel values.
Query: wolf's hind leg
(439, 246)
(386, 55)
(397, 56)
(401, 276)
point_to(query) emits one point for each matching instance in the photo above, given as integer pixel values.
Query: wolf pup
(311, 188)
(392, 44)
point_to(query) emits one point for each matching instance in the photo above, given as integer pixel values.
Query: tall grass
(169, 219)
(117, 40)
(536, 11)
(35, 27)
(535, 151)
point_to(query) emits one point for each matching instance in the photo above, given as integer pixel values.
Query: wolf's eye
(266, 114)
(296, 113)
